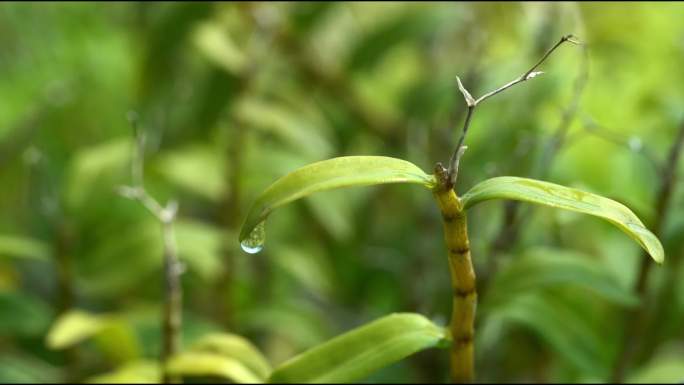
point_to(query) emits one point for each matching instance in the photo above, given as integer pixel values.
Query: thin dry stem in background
(513, 215)
(472, 103)
(667, 170)
(636, 318)
(171, 317)
(61, 225)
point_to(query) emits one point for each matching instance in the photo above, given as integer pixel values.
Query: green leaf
(200, 245)
(215, 43)
(200, 364)
(300, 323)
(355, 354)
(181, 166)
(23, 315)
(566, 324)
(309, 265)
(541, 268)
(23, 247)
(334, 211)
(94, 166)
(389, 33)
(290, 126)
(331, 174)
(554, 195)
(139, 372)
(24, 368)
(664, 368)
(117, 263)
(238, 348)
(74, 327)
(112, 334)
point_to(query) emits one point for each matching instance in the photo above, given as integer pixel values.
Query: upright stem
(462, 280)
(636, 318)
(173, 268)
(65, 287)
(172, 318)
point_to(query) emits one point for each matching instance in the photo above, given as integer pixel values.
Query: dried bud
(470, 101)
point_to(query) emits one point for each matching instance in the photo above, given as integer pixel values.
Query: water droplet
(254, 243)
(635, 143)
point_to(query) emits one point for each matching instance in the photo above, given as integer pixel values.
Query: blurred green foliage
(234, 95)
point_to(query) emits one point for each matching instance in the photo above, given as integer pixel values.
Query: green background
(233, 96)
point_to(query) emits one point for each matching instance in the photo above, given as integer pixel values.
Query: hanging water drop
(254, 243)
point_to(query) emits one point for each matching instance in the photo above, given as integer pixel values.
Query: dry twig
(173, 268)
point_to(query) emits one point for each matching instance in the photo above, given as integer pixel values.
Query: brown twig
(172, 313)
(636, 317)
(512, 217)
(561, 132)
(472, 103)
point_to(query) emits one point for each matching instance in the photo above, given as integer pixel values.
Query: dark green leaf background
(233, 96)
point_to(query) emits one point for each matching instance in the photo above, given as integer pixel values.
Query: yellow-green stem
(463, 283)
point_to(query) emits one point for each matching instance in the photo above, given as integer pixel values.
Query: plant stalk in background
(635, 318)
(173, 301)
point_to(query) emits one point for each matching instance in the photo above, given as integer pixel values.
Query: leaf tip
(570, 38)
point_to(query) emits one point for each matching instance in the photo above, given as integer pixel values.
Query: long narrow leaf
(235, 347)
(200, 364)
(554, 195)
(355, 354)
(330, 174)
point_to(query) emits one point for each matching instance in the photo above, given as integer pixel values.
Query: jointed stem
(173, 268)
(462, 279)
(456, 235)
(173, 302)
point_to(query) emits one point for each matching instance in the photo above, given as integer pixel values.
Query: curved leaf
(216, 45)
(664, 368)
(200, 364)
(554, 195)
(113, 335)
(74, 327)
(180, 168)
(23, 247)
(235, 347)
(566, 324)
(355, 354)
(139, 372)
(331, 174)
